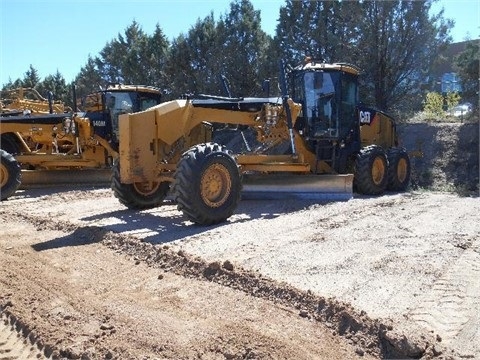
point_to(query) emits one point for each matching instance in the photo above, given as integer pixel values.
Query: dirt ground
(394, 276)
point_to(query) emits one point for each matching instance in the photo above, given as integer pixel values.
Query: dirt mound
(448, 155)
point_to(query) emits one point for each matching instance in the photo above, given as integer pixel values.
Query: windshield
(147, 100)
(320, 95)
(328, 102)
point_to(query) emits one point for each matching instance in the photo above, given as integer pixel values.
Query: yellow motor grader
(333, 145)
(22, 101)
(59, 147)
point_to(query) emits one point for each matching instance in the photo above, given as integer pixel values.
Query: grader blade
(43, 178)
(307, 187)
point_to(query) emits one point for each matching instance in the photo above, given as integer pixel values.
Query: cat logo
(365, 117)
(98, 123)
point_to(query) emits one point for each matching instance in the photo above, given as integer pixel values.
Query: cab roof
(345, 67)
(133, 88)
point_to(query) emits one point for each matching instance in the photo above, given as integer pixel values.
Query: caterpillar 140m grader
(334, 145)
(47, 144)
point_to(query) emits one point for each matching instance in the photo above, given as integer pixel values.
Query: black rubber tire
(10, 175)
(131, 196)
(399, 169)
(9, 144)
(371, 171)
(207, 184)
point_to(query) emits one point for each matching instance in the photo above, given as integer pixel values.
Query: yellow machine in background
(59, 147)
(23, 101)
(332, 143)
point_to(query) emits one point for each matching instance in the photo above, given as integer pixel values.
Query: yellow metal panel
(277, 167)
(264, 159)
(271, 163)
(171, 120)
(54, 161)
(137, 151)
(379, 132)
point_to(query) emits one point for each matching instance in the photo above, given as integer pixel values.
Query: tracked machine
(42, 147)
(333, 145)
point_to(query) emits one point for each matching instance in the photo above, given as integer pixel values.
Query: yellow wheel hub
(3, 175)
(215, 185)
(146, 188)
(378, 170)
(402, 170)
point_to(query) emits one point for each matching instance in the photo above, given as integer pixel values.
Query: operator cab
(328, 121)
(104, 107)
(328, 94)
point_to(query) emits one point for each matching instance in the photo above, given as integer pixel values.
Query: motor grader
(39, 148)
(333, 144)
(22, 101)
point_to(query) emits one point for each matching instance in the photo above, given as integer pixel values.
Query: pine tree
(244, 50)
(468, 65)
(31, 78)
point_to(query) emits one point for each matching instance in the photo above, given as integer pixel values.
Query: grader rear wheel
(207, 184)
(371, 171)
(10, 175)
(399, 169)
(143, 195)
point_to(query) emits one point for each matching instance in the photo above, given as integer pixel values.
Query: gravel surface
(394, 276)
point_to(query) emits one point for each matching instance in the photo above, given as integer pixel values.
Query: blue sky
(60, 34)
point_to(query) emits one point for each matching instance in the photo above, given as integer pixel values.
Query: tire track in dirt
(370, 335)
(451, 308)
(17, 341)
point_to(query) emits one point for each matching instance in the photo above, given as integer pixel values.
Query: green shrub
(433, 104)
(452, 99)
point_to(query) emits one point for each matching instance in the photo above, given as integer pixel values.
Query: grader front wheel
(207, 184)
(138, 195)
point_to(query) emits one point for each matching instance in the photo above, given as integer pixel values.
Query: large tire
(138, 195)
(399, 169)
(9, 144)
(371, 171)
(10, 175)
(207, 184)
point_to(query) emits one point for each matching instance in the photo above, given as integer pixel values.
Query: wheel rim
(378, 171)
(402, 170)
(3, 175)
(146, 188)
(215, 185)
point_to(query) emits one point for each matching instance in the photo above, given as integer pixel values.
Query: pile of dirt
(444, 156)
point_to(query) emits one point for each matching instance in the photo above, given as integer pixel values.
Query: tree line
(395, 43)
